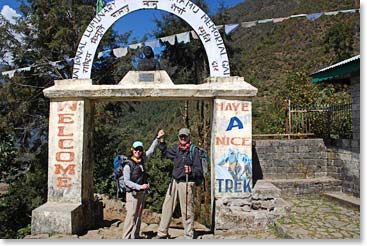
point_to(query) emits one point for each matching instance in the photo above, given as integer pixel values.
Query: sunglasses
(183, 136)
(139, 149)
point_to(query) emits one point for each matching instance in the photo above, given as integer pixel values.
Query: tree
(339, 40)
(49, 30)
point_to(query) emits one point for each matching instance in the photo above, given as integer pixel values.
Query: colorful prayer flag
(230, 28)
(99, 5)
(120, 52)
(183, 37)
(170, 39)
(314, 16)
(153, 43)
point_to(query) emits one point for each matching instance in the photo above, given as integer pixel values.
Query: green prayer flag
(99, 5)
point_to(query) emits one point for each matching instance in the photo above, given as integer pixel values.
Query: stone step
(344, 198)
(301, 187)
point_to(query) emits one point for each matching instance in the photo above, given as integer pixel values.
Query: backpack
(118, 172)
(204, 161)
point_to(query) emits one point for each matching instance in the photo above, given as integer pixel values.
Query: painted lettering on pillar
(65, 153)
(233, 162)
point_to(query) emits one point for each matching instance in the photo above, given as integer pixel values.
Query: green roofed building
(346, 69)
(349, 149)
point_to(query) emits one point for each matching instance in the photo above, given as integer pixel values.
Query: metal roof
(341, 69)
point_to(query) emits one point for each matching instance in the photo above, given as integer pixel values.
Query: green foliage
(50, 30)
(7, 154)
(339, 40)
(118, 125)
(159, 176)
(24, 231)
(25, 193)
(268, 117)
(301, 92)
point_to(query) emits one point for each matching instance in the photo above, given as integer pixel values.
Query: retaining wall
(344, 164)
(305, 166)
(292, 159)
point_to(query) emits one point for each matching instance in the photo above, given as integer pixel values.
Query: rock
(150, 217)
(38, 236)
(264, 190)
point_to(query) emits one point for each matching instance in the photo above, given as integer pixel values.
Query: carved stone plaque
(146, 77)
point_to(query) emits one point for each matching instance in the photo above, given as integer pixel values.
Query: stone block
(267, 204)
(240, 202)
(233, 221)
(261, 143)
(303, 148)
(256, 205)
(355, 156)
(282, 207)
(279, 163)
(246, 208)
(64, 218)
(261, 219)
(264, 190)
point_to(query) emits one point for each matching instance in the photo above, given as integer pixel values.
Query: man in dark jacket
(185, 172)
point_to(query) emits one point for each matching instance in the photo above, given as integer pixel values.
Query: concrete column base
(50, 218)
(65, 218)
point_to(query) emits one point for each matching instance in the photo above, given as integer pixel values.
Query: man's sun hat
(184, 131)
(137, 144)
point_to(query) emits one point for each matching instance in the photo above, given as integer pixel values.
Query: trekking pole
(187, 190)
(140, 208)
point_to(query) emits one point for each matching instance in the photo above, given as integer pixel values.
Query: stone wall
(344, 164)
(291, 159)
(355, 91)
(307, 166)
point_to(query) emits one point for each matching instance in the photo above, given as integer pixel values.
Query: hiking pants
(132, 223)
(178, 190)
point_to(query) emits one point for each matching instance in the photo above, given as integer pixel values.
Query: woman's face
(137, 152)
(183, 139)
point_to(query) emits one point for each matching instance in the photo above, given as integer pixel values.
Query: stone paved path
(316, 217)
(312, 217)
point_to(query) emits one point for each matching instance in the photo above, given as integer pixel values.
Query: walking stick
(187, 191)
(140, 209)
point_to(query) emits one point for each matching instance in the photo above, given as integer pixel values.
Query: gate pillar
(70, 206)
(231, 157)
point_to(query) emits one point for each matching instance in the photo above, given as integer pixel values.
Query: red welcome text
(65, 154)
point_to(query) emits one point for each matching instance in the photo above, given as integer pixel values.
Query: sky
(140, 22)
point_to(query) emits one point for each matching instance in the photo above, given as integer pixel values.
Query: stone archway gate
(70, 207)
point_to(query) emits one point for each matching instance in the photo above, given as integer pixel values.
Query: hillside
(278, 58)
